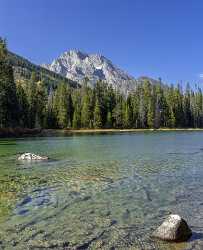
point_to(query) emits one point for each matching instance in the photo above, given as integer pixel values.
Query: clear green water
(100, 191)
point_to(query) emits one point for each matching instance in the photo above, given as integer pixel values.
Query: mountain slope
(23, 69)
(77, 66)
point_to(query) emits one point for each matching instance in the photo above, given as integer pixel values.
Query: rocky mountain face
(77, 66)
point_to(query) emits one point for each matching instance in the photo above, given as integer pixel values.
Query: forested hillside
(22, 69)
(40, 99)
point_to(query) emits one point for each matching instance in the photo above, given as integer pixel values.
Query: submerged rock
(174, 228)
(32, 157)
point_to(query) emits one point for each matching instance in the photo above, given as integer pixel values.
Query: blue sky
(159, 38)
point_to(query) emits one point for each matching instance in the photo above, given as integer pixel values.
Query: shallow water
(100, 191)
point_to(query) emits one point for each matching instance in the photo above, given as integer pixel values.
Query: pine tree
(158, 106)
(109, 123)
(76, 96)
(63, 106)
(127, 116)
(51, 121)
(150, 114)
(199, 103)
(8, 98)
(172, 119)
(41, 100)
(118, 112)
(142, 110)
(178, 111)
(97, 115)
(76, 119)
(135, 109)
(32, 100)
(86, 112)
(23, 107)
(3, 50)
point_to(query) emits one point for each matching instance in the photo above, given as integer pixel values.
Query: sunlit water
(100, 191)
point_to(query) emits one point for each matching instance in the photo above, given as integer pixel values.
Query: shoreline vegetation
(26, 132)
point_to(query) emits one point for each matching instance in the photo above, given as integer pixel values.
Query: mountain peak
(75, 52)
(76, 65)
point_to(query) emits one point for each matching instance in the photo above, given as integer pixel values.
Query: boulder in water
(174, 228)
(32, 157)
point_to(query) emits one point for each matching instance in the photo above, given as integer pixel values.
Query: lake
(100, 191)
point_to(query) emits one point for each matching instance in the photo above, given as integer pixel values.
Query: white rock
(32, 157)
(174, 228)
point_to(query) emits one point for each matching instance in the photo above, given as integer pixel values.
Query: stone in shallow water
(32, 157)
(174, 228)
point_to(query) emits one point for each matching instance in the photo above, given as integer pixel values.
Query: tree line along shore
(37, 105)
